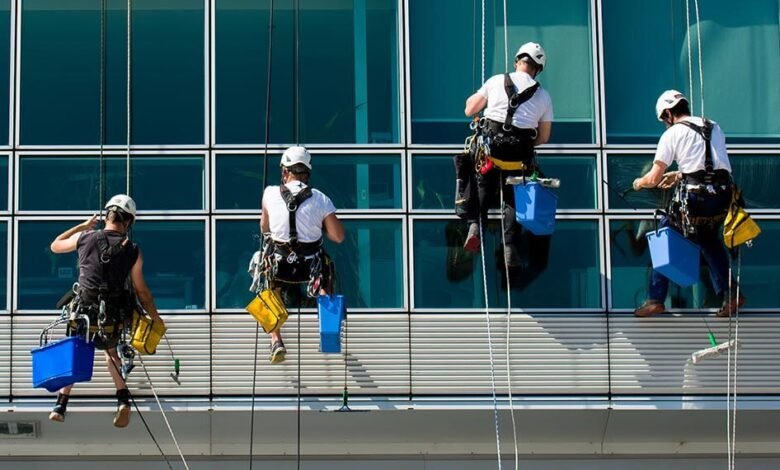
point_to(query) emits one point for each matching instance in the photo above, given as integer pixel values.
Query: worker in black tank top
(110, 269)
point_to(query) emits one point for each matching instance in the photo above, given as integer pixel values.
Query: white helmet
(668, 100)
(534, 51)
(296, 154)
(122, 202)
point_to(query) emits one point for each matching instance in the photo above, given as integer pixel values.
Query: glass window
(43, 276)
(73, 183)
(433, 180)
(369, 265)
(757, 176)
(622, 170)
(61, 41)
(5, 75)
(4, 183)
(631, 270)
(442, 84)
(356, 41)
(174, 263)
(563, 274)
(351, 181)
(3, 265)
(235, 242)
(633, 81)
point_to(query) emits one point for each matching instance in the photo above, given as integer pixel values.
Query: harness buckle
(292, 257)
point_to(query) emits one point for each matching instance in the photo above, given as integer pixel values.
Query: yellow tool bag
(739, 227)
(268, 309)
(146, 333)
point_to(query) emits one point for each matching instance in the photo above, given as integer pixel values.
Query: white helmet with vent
(295, 155)
(668, 100)
(122, 202)
(535, 52)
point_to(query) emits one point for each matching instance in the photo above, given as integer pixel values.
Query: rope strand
(129, 90)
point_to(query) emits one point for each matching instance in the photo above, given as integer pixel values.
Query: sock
(123, 396)
(62, 400)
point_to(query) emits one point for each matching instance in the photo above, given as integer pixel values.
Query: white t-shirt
(529, 114)
(682, 144)
(308, 217)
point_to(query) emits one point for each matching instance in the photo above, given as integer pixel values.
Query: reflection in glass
(634, 80)
(433, 180)
(445, 276)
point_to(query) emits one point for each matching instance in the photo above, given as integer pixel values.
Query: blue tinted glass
(351, 181)
(369, 263)
(433, 180)
(43, 277)
(174, 261)
(61, 40)
(565, 276)
(236, 241)
(3, 265)
(355, 102)
(442, 83)
(73, 183)
(621, 171)
(5, 69)
(633, 81)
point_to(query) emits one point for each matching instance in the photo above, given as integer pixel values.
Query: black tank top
(117, 269)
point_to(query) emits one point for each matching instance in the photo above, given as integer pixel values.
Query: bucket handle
(43, 339)
(656, 215)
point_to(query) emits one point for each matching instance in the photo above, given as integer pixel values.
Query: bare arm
(652, 177)
(543, 133)
(333, 228)
(265, 224)
(142, 290)
(474, 104)
(67, 241)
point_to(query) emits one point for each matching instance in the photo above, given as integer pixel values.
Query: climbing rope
(162, 411)
(102, 110)
(129, 91)
(265, 181)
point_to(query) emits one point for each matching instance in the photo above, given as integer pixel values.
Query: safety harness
(295, 253)
(708, 182)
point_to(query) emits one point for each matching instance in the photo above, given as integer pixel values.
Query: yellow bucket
(268, 309)
(146, 334)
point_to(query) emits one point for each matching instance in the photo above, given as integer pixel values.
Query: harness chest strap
(706, 133)
(293, 202)
(515, 99)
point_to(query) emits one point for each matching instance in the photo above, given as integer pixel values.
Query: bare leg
(278, 351)
(114, 364)
(58, 412)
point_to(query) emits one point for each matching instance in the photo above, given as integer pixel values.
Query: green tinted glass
(433, 180)
(643, 58)
(5, 69)
(43, 277)
(73, 183)
(174, 261)
(565, 276)
(351, 181)
(346, 83)
(61, 42)
(441, 84)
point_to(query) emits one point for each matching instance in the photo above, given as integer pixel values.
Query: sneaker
(472, 240)
(650, 308)
(122, 417)
(729, 307)
(57, 413)
(278, 352)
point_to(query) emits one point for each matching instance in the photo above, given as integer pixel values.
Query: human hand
(88, 224)
(669, 179)
(637, 184)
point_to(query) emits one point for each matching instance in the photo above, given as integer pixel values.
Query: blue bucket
(535, 208)
(62, 363)
(332, 311)
(674, 256)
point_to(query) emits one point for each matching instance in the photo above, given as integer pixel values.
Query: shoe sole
(472, 245)
(278, 357)
(122, 418)
(731, 311)
(56, 417)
